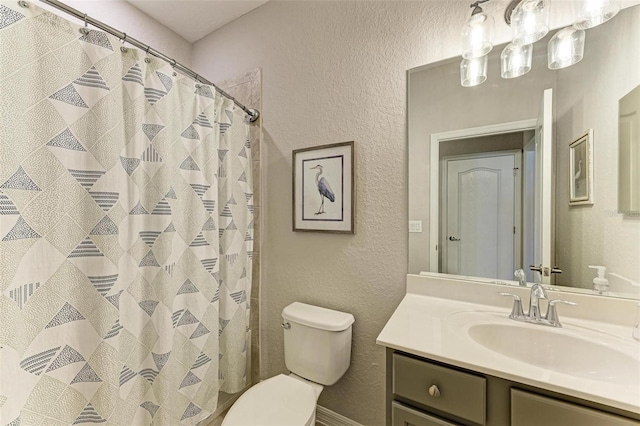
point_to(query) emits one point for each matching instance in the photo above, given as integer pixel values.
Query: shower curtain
(126, 232)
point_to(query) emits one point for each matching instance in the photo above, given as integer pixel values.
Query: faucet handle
(516, 311)
(552, 313)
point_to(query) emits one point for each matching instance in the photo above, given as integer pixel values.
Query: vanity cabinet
(422, 392)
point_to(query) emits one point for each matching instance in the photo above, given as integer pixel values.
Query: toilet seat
(278, 401)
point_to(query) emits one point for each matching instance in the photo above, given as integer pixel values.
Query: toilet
(317, 351)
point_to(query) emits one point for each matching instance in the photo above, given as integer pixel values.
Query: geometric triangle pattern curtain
(126, 232)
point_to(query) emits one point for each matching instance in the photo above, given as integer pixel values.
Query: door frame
(517, 197)
(434, 178)
(525, 223)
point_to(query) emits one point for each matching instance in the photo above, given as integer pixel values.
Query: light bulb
(595, 12)
(473, 71)
(529, 21)
(515, 60)
(477, 35)
(565, 48)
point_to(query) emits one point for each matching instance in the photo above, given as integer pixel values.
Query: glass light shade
(473, 71)
(530, 21)
(515, 60)
(595, 12)
(565, 48)
(477, 35)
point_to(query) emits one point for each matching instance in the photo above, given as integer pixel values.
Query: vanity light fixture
(529, 20)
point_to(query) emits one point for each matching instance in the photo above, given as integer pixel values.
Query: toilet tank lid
(317, 317)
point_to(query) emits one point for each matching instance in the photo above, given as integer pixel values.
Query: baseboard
(326, 417)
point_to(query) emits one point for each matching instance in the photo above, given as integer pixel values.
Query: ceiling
(194, 19)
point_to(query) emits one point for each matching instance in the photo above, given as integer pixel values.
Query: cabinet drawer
(529, 409)
(402, 415)
(461, 394)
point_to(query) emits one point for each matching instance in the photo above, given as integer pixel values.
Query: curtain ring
(123, 40)
(173, 65)
(147, 59)
(84, 30)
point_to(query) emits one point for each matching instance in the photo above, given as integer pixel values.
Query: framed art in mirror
(581, 170)
(323, 188)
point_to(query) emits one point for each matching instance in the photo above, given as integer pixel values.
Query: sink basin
(577, 352)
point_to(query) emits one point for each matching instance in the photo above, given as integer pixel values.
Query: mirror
(629, 153)
(559, 211)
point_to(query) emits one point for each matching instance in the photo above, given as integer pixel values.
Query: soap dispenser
(600, 283)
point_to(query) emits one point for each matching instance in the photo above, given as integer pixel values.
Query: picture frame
(581, 170)
(324, 188)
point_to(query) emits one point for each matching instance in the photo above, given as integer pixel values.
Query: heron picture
(323, 188)
(581, 170)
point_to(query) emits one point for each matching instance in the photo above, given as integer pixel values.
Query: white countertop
(426, 326)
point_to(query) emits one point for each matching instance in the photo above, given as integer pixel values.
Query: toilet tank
(317, 342)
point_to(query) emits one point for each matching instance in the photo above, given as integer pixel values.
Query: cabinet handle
(434, 391)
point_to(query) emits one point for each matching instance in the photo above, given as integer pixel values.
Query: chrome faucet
(521, 276)
(537, 293)
(534, 315)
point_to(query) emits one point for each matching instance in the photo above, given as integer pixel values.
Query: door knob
(451, 238)
(434, 391)
(536, 268)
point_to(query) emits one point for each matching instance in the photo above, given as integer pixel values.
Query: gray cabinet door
(401, 415)
(528, 409)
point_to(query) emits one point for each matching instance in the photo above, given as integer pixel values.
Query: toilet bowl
(279, 401)
(317, 347)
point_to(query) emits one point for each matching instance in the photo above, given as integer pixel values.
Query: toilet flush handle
(286, 325)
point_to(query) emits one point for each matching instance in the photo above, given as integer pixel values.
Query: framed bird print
(323, 188)
(581, 170)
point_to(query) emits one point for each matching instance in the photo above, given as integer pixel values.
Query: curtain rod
(251, 112)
